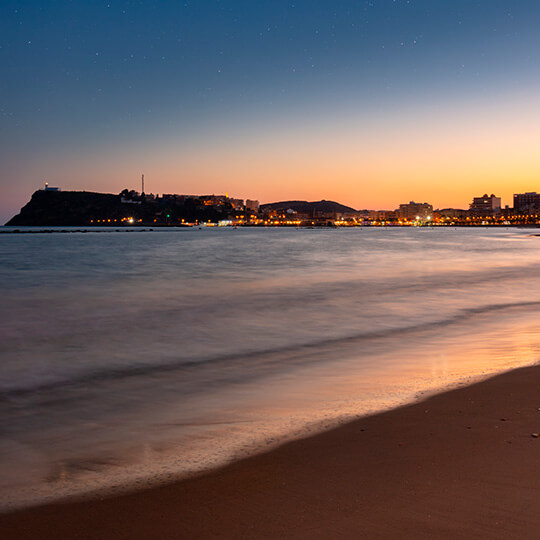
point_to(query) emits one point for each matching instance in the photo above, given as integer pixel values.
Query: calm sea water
(128, 359)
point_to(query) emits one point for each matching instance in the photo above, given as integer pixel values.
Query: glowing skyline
(368, 103)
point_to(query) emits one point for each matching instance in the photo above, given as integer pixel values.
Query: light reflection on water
(129, 357)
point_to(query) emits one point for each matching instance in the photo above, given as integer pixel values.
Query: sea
(133, 357)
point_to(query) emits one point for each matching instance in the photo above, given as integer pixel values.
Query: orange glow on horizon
(443, 157)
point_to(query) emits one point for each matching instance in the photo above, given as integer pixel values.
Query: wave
(255, 363)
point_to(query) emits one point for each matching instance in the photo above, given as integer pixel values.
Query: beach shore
(462, 464)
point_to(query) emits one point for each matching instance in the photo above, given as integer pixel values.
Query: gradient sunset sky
(370, 103)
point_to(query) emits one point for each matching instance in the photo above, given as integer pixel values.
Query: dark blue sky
(83, 78)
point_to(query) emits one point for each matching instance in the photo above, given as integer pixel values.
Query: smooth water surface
(135, 358)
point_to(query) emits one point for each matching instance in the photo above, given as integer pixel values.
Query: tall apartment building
(486, 205)
(527, 202)
(414, 210)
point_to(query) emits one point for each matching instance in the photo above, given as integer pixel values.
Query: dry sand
(462, 464)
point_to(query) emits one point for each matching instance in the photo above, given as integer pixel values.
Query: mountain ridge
(309, 207)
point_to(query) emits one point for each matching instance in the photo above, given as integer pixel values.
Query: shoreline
(145, 482)
(459, 463)
(151, 227)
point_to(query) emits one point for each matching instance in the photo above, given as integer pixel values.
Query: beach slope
(462, 464)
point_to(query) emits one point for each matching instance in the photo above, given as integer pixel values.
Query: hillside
(77, 208)
(310, 208)
(65, 208)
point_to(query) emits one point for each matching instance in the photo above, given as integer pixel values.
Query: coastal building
(252, 206)
(455, 213)
(412, 211)
(130, 197)
(237, 204)
(218, 200)
(527, 202)
(382, 215)
(487, 205)
(50, 188)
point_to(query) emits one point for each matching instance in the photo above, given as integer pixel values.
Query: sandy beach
(462, 464)
(328, 323)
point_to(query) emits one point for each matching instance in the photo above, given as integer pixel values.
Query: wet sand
(463, 464)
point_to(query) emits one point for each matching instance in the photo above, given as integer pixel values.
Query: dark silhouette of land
(82, 208)
(309, 208)
(49, 208)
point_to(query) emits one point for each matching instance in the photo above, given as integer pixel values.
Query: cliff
(82, 208)
(66, 208)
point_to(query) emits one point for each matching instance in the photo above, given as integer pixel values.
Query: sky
(369, 103)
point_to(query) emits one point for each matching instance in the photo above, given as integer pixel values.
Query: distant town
(51, 206)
